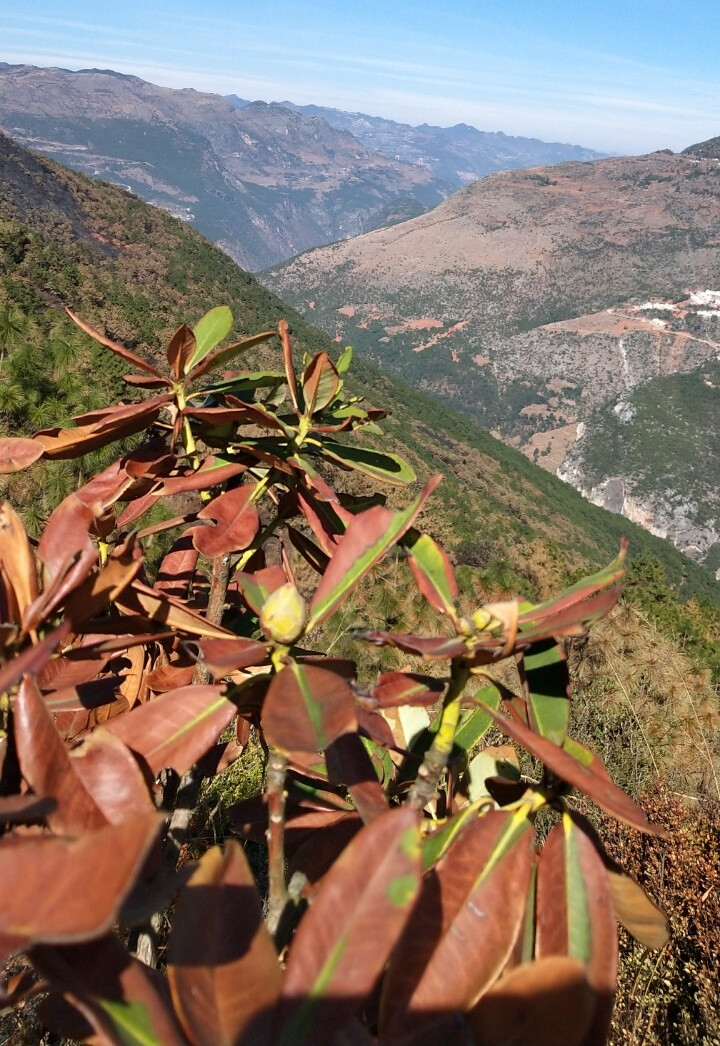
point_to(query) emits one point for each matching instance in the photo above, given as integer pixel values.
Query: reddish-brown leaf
(111, 775)
(591, 778)
(222, 656)
(100, 428)
(465, 926)
(542, 1003)
(349, 764)
(210, 474)
(180, 350)
(320, 383)
(344, 940)
(17, 453)
(90, 876)
(138, 599)
(407, 688)
(236, 522)
(103, 980)
(18, 569)
(33, 659)
(47, 767)
(178, 568)
(119, 350)
(223, 968)
(307, 708)
(177, 728)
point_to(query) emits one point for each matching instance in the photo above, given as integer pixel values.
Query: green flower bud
(284, 615)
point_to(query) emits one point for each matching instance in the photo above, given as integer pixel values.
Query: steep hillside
(263, 182)
(531, 300)
(136, 272)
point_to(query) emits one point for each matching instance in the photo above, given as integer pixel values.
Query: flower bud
(284, 615)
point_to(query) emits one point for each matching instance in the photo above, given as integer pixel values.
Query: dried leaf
(17, 453)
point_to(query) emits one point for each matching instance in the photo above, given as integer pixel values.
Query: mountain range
(544, 303)
(264, 181)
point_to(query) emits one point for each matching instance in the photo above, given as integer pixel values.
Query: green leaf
(130, 1022)
(437, 842)
(344, 360)
(476, 723)
(548, 689)
(388, 468)
(433, 571)
(210, 331)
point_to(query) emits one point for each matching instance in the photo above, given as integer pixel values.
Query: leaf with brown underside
(364, 543)
(542, 1003)
(112, 990)
(47, 767)
(214, 359)
(633, 908)
(222, 656)
(407, 688)
(235, 519)
(349, 764)
(84, 696)
(180, 350)
(162, 609)
(222, 965)
(98, 592)
(100, 428)
(571, 611)
(212, 472)
(177, 569)
(33, 659)
(432, 570)
(344, 940)
(575, 917)
(119, 350)
(111, 775)
(175, 729)
(18, 809)
(17, 453)
(591, 778)
(18, 569)
(320, 383)
(80, 906)
(468, 917)
(170, 677)
(307, 708)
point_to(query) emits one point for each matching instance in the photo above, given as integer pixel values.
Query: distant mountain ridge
(456, 155)
(262, 180)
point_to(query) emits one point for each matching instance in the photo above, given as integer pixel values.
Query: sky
(620, 77)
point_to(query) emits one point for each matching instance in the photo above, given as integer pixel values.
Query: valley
(537, 302)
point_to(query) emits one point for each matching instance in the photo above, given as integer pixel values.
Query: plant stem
(276, 794)
(188, 790)
(437, 755)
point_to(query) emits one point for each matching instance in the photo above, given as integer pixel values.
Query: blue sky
(621, 77)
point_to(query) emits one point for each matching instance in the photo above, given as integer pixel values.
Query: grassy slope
(137, 273)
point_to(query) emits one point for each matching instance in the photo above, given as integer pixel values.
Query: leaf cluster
(408, 895)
